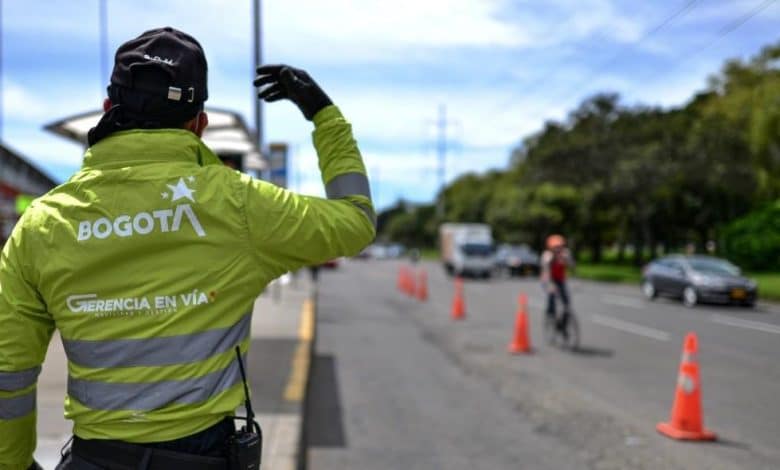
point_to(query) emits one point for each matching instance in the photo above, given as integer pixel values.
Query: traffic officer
(148, 261)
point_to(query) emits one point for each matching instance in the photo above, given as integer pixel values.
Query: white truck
(467, 249)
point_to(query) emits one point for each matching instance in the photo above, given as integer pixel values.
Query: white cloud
(391, 112)
(22, 104)
(724, 12)
(43, 148)
(39, 107)
(395, 174)
(601, 17)
(53, 17)
(387, 26)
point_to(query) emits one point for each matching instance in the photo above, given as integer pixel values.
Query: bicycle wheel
(572, 337)
(550, 329)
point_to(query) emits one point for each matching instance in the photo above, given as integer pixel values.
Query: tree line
(643, 179)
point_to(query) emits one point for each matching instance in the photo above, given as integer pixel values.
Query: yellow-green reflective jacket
(148, 261)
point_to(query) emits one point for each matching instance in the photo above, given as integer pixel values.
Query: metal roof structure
(18, 175)
(226, 134)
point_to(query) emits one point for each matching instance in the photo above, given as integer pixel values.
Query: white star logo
(191, 179)
(164, 195)
(180, 190)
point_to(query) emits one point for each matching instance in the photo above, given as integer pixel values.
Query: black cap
(164, 63)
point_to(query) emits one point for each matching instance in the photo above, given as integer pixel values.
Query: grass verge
(608, 273)
(768, 283)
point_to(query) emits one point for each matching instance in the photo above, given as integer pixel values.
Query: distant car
(377, 251)
(696, 279)
(383, 251)
(515, 260)
(331, 264)
(395, 250)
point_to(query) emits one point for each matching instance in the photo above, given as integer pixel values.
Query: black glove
(285, 82)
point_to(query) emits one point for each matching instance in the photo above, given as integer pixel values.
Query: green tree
(753, 241)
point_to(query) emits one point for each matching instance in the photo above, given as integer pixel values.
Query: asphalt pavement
(398, 384)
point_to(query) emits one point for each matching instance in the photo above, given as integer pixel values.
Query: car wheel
(648, 288)
(690, 297)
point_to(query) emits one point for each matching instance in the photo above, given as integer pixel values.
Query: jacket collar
(143, 146)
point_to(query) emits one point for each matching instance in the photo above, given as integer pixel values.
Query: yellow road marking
(299, 369)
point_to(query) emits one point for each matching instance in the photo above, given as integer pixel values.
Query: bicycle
(562, 329)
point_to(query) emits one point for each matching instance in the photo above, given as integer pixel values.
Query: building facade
(19, 181)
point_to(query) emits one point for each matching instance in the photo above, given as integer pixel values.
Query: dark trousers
(210, 442)
(560, 290)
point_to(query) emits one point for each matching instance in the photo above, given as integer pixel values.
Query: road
(398, 384)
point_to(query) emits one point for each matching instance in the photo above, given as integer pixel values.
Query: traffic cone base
(458, 311)
(669, 430)
(515, 348)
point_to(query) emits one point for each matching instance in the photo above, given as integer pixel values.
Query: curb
(302, 457)
(284, 446)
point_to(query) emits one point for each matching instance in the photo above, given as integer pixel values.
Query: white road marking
(630, 327)
(748, 324)
(621, 301)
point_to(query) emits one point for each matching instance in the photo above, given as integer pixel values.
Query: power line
(734, 25)
(721, 33)
(612, 60)
(668, 20)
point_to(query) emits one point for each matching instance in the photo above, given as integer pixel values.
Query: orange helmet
(555, 241)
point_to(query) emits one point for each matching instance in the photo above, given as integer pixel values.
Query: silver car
(698, 279)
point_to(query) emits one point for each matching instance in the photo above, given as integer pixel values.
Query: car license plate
(738, 294)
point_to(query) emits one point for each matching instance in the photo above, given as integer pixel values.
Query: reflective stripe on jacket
(148, 262)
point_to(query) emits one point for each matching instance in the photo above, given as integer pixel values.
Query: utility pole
(441, 144)
(258, 61)
(1, 70)
(103, 24)
(442, 125)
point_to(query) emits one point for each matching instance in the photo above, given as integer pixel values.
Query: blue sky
(501, 68)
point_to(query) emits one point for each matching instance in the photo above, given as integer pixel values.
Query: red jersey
(558, 269)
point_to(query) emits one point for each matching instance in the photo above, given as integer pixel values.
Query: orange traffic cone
(410, 284)
(458, 311)
(403, 280)
(521, 343)
(687, 421)
(422, 286)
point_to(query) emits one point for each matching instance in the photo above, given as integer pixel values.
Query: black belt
(122, 455)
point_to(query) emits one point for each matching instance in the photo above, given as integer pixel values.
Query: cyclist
(555, 260)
